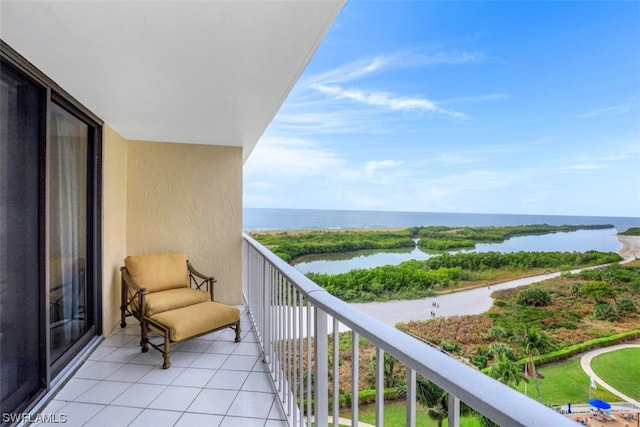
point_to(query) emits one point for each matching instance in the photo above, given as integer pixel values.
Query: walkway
(585, 362)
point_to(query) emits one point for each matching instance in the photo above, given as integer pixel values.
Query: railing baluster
(380, 387)
(336, 371)
(321, 368)
(308, 371)
(411, 398)
(355, 377)
(301, 340)
(454, 411)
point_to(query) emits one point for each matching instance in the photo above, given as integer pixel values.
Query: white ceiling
(204, 72)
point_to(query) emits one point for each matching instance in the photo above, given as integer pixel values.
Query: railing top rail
(497, 401)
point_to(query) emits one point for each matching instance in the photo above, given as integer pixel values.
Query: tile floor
(212, 381)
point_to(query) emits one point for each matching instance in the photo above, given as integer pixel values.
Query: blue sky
(473, 107)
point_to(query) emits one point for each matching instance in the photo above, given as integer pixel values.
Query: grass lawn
(395, 415)
(621, 370)
(565, 382)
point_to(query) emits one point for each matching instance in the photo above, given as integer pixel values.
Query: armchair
(169, 297)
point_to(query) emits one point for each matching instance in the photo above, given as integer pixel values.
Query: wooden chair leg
(237, 328)
(144, 337)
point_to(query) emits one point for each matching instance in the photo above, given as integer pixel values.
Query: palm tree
(534, 342)
(433, 398)
(507, 371)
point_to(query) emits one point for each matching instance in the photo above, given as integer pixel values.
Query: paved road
(585, 362)
(472, 301)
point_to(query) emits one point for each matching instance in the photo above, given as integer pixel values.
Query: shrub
(598, 291)
(626, 306)
(451, 347)
(575, 288)
(479, 360)
(535, 297)
(604, 311)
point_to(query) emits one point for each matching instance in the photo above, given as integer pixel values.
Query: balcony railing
(294, 319)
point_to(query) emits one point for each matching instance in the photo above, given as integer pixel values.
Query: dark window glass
(20, 319)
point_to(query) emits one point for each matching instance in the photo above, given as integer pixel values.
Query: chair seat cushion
(159, 302)
(197, 319)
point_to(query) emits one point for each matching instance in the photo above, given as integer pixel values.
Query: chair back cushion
(159, 272)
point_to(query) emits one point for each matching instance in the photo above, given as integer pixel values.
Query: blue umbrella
(600, 404)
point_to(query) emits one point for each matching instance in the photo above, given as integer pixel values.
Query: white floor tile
(194, 377)
(229, 380)
(213, 401)
(276, 423)
(157, 375)
(241, 422)
(121, 341)
(114, 416)
(175, 398)
(209, 361)
(156, 418)
(139, 395)
(130, 373)
(247, 349)
(77, 414)
(103, 393)
(122, 355)
(258, 381)
(252, 404)
(223, 347)
(98, 370)
(199, 420)
(179, 358)
(74, 388)
(240, 363)
(101, 352)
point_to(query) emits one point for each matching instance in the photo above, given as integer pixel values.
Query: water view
(579, 241)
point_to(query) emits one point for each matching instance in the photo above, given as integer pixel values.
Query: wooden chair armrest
(127, 280)
(200, 275)
(206, 281)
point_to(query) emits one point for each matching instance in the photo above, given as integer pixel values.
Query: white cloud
(286, 156)
(608, 111)
(373, 165)
(388, 100)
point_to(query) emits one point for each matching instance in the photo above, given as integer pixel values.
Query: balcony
(264, 381)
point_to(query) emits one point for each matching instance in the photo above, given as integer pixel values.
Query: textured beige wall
(114, 207)
(186, 197)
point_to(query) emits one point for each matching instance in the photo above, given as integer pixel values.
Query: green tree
(507, 372)
(534, 341)
(432, 397)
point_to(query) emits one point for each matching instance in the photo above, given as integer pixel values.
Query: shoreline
(630, 250)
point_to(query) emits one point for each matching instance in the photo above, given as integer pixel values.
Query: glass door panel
(67, 230)
(20, 356)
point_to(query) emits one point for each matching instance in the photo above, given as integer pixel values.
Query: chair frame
(133, 302)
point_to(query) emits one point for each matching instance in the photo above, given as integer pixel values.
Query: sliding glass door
(67, 230)
(50, 256)
(21, 315)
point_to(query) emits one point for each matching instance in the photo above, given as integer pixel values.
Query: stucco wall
(186, 197)
(114, 207)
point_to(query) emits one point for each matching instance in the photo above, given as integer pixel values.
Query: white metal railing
(294, 319)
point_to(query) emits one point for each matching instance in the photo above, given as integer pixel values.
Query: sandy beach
(630, 247)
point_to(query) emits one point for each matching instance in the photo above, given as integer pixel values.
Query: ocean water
(298, 219)
(295, 219)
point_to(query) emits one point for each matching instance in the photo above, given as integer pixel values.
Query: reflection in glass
(67, 230)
